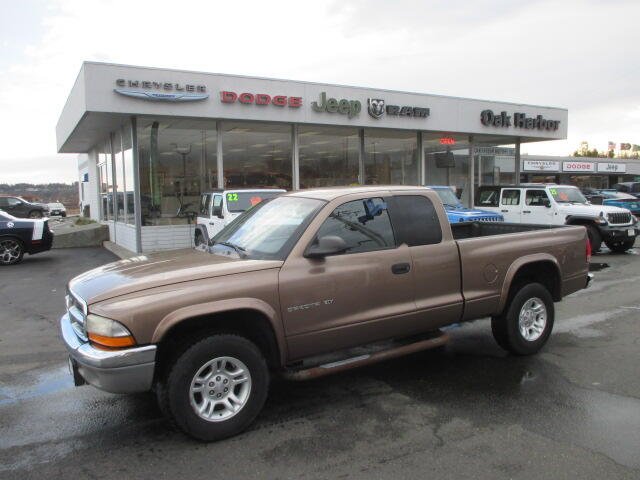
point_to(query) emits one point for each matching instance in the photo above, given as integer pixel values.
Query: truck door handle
(504, 211)
(211, 223)
(526, 211)
(400, 268)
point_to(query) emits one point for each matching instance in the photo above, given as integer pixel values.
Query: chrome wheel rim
(220, 389)
(35, 215)
(533, 319)
(9, 251)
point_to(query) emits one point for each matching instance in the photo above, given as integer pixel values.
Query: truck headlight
(104, 332)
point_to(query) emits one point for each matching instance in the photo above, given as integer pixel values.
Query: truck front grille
(619, 218)
(76, 315)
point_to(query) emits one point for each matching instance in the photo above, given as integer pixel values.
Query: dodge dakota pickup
(305, 284)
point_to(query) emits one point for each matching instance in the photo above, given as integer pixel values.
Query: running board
(368, 355)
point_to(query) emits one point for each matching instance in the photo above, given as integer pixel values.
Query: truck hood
(589, 210)
(470, 212)
(158, 269)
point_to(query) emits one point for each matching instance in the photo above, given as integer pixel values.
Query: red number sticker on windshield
(255, 200)
(564, 197)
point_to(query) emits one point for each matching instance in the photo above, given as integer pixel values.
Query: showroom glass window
(177, 163)
(391, 157)
(363, 224)
(328, 156)
(256, 155)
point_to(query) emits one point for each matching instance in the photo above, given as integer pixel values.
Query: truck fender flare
(203, 230)
(516, 266)
(580, 220)
(221, 306)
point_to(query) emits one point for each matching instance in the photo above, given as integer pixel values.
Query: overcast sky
(581, 55)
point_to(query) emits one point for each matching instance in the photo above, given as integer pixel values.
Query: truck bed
(491, 252)
(465, 230)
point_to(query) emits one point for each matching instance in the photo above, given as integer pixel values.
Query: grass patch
(84, 221)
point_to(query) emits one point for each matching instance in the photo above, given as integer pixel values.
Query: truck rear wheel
(215, 388)
(621, 246)
(594, 237)
(526, 324)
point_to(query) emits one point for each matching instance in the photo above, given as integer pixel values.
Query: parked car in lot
(19, 236)
(628, 187)
(57, 208)
(615, 198)
(19, 207)
(310, 283)
(219, 208)
(551, 204)
(456, 212)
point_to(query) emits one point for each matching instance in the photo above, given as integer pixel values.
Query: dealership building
(152, 140)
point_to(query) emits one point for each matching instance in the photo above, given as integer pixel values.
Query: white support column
(295, 158)
(471, 172)
(361, 155)
(219, 159)
(137, 204)
(422, 167)
(517, 161)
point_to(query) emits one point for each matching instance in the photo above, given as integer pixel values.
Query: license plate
(631, 232)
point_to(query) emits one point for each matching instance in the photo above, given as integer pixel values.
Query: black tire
(35, 214)
(621, 246)
(506, 329)
(594, 237)
(63, 214)
(11, 251)
(198, 239)
(174, 390)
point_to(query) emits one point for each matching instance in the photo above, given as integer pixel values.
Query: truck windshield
(567, 195)
(267, 231)
(447, 196)
(238, 202)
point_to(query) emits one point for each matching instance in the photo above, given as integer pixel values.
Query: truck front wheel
(594, 237)
(526, 324)
(215, 388)
(621, 246)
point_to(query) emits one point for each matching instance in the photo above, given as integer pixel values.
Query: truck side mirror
(546, 202)
(327, 245)
(217, 211)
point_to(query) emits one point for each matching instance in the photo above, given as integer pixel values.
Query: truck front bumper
(117, 371)
(618, 233)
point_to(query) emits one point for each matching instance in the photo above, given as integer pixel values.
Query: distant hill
(65, 193)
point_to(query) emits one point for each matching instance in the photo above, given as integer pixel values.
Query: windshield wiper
(241, 251)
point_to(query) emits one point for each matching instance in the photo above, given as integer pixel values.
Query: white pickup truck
(219, 208)
(551, 204)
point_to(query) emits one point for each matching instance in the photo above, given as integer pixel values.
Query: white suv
(552, 204)
(219, 208)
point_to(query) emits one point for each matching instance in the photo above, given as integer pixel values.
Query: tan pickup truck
(309, 283)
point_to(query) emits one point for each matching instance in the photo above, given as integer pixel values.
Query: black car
(19, 207)
(19, 236)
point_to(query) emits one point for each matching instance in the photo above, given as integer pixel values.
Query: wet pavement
(466, 411)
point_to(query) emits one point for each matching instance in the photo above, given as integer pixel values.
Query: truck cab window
(488, 198)
(204, 204)
(536, 198)
(510, 197)
(363, 224)
(422, 223)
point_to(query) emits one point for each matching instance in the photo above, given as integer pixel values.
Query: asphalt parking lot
(467, 411)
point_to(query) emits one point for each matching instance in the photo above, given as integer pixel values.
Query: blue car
(456, 212)
(620, 199)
